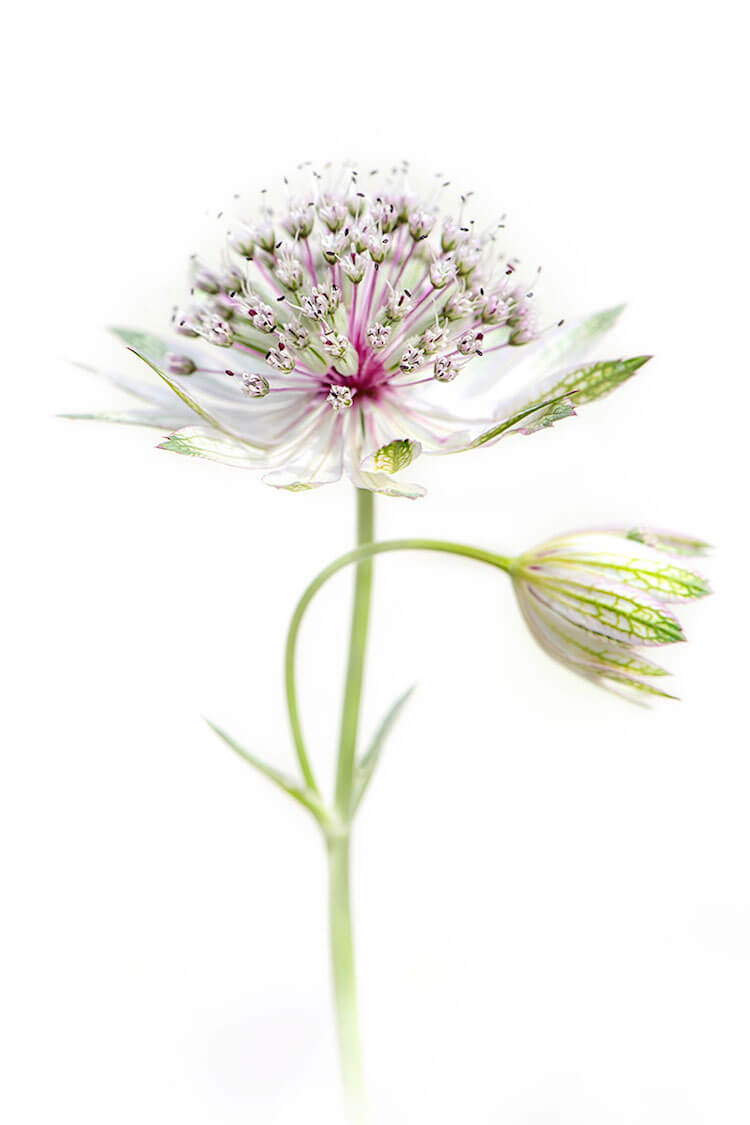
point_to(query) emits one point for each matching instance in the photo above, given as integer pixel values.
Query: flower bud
(230, 279)
(223, 306)
(591, 602)
(281, 359)
(322, 301)
(384, 214)
(294, 334)
(251, 383)
(333, 245)
(340, 398)
(449, 236)
(458, 306)
(300, 219)
(265, 236)
(496, 309)
(256, 311)
(185, 327)
(378, 335)
(398, 305)
(420, 224)
(354, 266)
(412, 359)
(467, 257)
(243, 243)
(215, 331)
(358, 235)
(445, 369)
(204, 279)
(332, 212)
(340, 348)
(433, 339)
(378, 246)
(178, 364)
(470, 342)
(442, 271)
(288, 269)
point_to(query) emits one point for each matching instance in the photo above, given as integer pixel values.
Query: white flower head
(345, 294)
(594, 599)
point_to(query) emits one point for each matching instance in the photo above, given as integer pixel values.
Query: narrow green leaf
(365, 768)
(305, 796)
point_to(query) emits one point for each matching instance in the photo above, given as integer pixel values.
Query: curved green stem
(366, 551)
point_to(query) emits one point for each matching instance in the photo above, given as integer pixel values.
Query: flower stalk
(356, 663)
(339, 845)
(344, 979)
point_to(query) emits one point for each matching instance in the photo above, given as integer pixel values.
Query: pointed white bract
(326, 333)
(594, 599)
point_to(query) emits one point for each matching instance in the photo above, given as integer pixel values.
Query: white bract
(594, 599)
(331, 331)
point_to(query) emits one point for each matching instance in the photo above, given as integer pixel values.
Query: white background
(552, 903)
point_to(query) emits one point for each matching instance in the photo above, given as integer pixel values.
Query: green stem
(356, 664)
(358, 555)
(342, 946)
(344, 981)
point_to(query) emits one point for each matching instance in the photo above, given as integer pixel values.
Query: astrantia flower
(328, 337)
(594, 599)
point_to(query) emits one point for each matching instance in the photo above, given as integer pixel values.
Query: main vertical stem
(344, 981)
(342, 947)
(356, 665)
